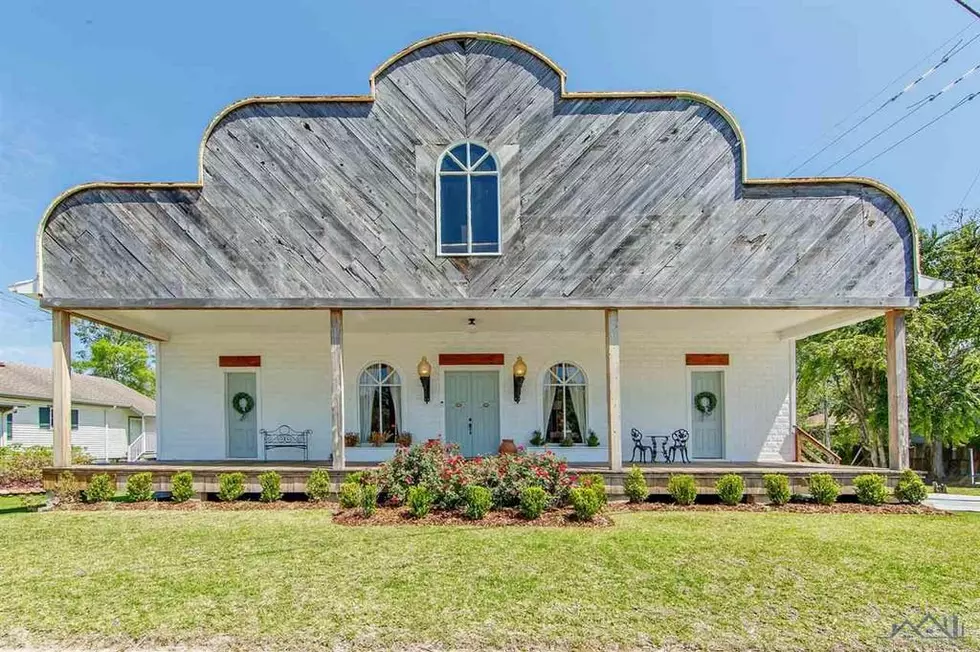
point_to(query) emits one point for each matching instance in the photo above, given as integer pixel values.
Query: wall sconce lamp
(425, 375)
(520, 371)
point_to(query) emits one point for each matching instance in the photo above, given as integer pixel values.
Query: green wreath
(243, 403)
(705, 402)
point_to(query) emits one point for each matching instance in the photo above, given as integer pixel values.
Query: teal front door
(473, 411)
(708, 428)
(242, 428)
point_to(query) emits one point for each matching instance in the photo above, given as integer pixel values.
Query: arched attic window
(468, 202)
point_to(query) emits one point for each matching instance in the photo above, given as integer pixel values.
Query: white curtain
(577, 394)
(396, 402)
(365, 401)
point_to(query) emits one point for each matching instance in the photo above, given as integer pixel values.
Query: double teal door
(473, 411)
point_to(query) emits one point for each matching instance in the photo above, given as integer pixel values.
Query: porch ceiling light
(520, 371)
(425, 375)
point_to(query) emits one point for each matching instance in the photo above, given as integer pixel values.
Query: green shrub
(683, 488)
(533, 502)
(586, 501)
(635, 486)
(824, 488)
(101, 487)
(369, 499)
(350, 495)
(271, 484)
(870, 489)
(22, 464)
(231, 486)
(181, 486)
(355, 477)
(318, 485)
(419, 501)
(477, 502)
(730, 488)
(595, 482)
(910, 488)
(139, 487)
(66, 488)
(777, 488)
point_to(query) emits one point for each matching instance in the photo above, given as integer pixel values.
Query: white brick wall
(294, 385)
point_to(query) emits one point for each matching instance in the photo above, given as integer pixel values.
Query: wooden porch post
(898, 391)
(613, 407)
(61, 394)
(337, 387)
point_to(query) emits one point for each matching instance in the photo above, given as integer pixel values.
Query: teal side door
(242, 429)
(473, 411)
(708, 430)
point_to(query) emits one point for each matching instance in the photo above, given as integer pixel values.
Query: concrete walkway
(953, 502)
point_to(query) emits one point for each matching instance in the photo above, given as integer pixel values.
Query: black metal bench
(286, 437)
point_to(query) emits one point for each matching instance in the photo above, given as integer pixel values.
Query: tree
(945, 403)
(846, 367)
(115, 354)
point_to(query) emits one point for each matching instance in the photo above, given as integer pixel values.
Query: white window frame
(377, 385)
(469, 172)
(550, 383)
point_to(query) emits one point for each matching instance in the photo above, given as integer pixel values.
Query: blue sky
(122, 90)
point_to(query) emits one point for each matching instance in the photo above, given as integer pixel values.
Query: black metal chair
(638, 445)
(680, 437)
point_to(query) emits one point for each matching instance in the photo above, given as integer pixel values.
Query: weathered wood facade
(612, 206)
(606, 199)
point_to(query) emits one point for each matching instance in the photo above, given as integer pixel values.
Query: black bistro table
(663, 446)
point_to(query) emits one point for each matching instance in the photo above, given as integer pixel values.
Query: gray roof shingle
(28, 382)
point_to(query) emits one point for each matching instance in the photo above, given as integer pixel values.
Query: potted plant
(567, 441)
(593, 439)
(377, 439)
(507, 447)
(537, 439)
(351, 439)
(404, 439)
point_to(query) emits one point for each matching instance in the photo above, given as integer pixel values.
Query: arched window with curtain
(468, 201)
(565, 400)
(379, 401)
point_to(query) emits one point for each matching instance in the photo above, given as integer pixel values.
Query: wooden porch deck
(294, 474)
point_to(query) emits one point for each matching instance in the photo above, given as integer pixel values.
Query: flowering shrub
(506, 476)
(446, 473)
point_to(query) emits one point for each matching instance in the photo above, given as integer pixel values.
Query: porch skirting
(294, 475)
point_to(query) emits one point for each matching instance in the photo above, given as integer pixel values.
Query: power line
(973, 11)
(970, 189)
(912, 110)
(968, 98)
(956, 49)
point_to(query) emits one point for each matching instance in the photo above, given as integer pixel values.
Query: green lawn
(968, 491)
(293, 579)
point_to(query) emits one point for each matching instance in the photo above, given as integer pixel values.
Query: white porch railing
(142, 445)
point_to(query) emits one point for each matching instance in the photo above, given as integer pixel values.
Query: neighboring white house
(107, 418)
